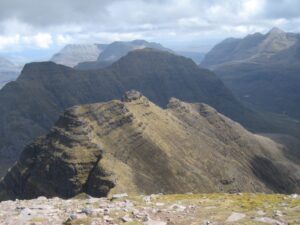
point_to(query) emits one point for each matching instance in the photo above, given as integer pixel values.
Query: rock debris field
(206, 209)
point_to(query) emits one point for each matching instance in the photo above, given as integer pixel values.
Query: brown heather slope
(30, 106)
(134, 146)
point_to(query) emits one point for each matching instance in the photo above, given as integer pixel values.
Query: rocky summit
(136, 147)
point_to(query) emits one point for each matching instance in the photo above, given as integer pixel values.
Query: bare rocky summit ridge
(187, 209)
(134, 146)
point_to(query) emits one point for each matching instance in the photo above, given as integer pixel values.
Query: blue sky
(34, 29)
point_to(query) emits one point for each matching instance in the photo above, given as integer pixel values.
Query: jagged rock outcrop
(30, 106)
(137, 147)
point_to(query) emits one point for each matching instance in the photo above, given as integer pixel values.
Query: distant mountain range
(274, 47)
(114, 51)
(262, 70)
(8, 71)
(73, 54)
(30, 105)
(133, 146)
(95, 56)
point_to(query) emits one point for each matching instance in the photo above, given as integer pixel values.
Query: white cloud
(43, 40)
(7, 41)
(63, 39)
(175, 23)
(192, 22)
(251, 8)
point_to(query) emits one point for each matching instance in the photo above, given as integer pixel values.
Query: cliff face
(137, 147)
(30, 106)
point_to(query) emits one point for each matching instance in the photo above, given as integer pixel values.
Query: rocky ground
(206, 209)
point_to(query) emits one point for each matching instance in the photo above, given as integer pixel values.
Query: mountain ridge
(137, 147)
(30, 105)
(256, 48)
(261, 70)
(115, 50)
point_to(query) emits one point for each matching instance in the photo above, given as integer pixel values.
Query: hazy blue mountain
(116, 50)
(8, 71)
(276, 46)
(262, 70)
(73, 54)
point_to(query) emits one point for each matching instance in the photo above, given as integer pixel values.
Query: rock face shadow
(274, 176)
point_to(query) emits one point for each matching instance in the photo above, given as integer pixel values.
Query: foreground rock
(198, 209)
(137, 147)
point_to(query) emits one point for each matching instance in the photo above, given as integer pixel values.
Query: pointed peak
(275, 30)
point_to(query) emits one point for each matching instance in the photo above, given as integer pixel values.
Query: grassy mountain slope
(137, 147)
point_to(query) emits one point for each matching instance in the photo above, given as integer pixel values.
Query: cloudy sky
(33, 29)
